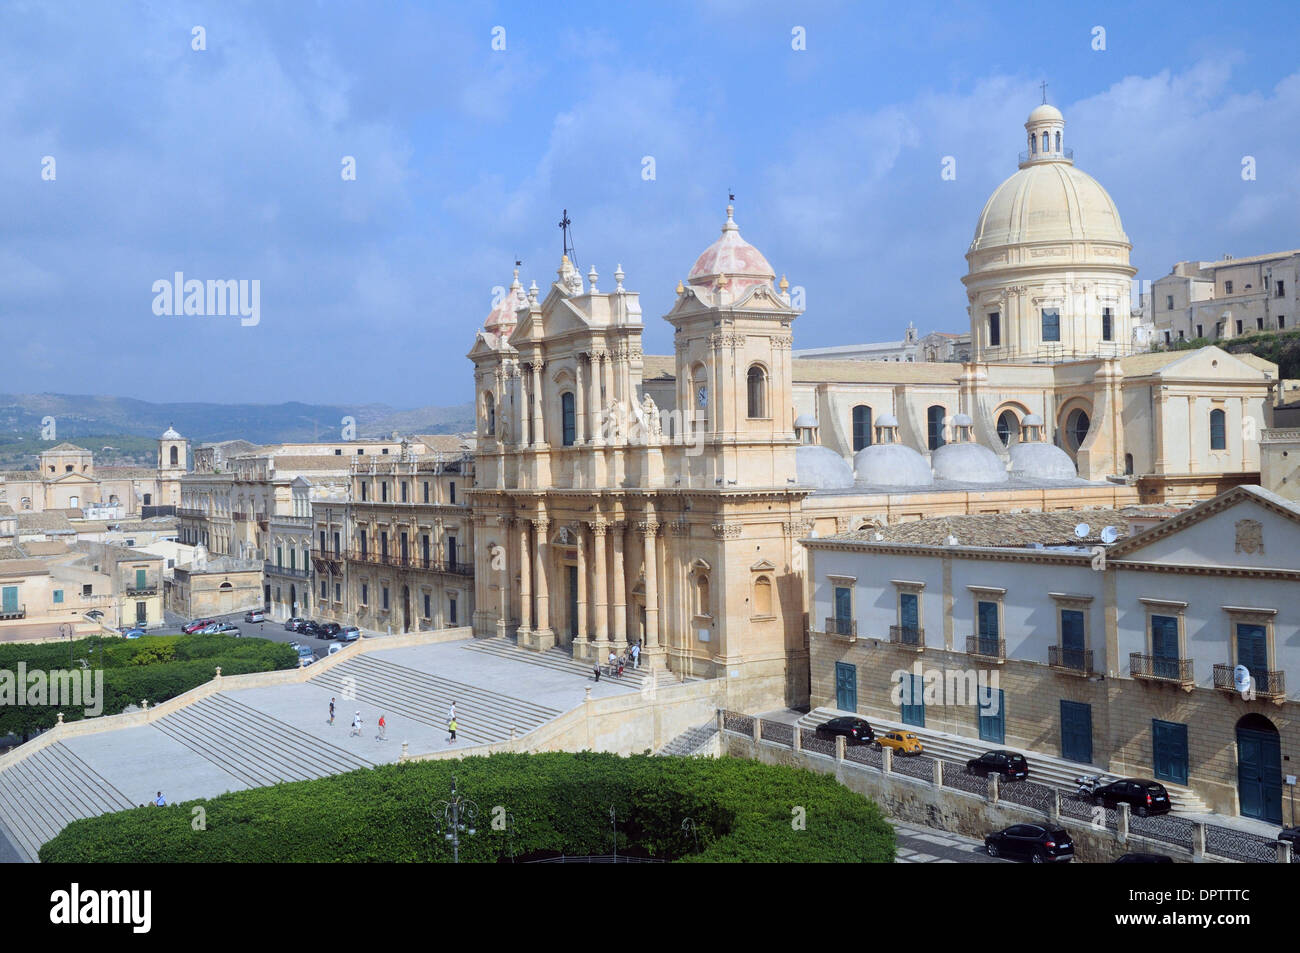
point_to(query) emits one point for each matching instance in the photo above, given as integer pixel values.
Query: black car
(309, 627)
(1144, 859)
(1143, 796)
(1041, 845)
(1011, 765)
(1292, 836)
(330, 630)
(855, 730)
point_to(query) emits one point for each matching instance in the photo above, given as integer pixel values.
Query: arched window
(1044, 142)
(1058, 142)
(702, 603)
(567, 428)
(861, 427)
(1128, 464)
(175, 456)
(490, 413)
(757, 381)
(1076, 428)
(1008, 426)
(763, 596)
(148, 499)
(1033, 144)
(934, 421)
(1218, 430)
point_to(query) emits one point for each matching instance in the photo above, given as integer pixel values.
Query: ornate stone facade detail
(1250, 537)
(726, 530)
(679, 528)
(781, 343)
(598, 526)
(798, 528)
(648, 527)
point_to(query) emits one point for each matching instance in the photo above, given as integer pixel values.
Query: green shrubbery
(743, 811)
(154, 667)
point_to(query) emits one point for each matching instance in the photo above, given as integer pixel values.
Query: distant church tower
(173, 462)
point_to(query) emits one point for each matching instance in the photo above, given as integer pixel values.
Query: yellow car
(903, 742)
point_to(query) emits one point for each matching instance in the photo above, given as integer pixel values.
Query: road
(922, 845)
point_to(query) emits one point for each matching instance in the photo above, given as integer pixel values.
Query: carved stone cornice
(598, 526)
(798, 527)
(543, 524)
(648, 527)
(679, 528)
(726, 530)
(781, 343)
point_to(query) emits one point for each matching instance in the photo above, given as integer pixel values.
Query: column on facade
(582, 589)
(593, 402)
(599, 583)
(520, 408)
(651, 558)
(579, 405)
(525, 586)
(543, 586)
(619, 586)
(538, 436)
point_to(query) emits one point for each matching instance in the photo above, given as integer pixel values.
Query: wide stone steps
(482, 716)
(558, 659)
(252, 746)
(42, 793)
(689, 741)
(1045, 769)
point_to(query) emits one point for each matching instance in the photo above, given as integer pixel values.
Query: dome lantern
(1045, 129)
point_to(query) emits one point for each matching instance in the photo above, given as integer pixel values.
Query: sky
(128, 155)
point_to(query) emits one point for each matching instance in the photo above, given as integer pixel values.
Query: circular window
(1076, 428)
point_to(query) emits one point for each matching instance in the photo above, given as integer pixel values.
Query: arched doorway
(293, 601)
(406, 604)
(1259, 769)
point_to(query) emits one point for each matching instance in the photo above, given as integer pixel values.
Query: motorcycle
(1090, 784)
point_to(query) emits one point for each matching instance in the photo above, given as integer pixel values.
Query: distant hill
(94, 422)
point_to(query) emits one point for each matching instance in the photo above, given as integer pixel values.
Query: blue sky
(225, 163)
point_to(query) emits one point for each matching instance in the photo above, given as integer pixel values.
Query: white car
(335, 648)
(305, 656)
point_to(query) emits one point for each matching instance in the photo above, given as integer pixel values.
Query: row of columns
(604, 381)
(602, 605)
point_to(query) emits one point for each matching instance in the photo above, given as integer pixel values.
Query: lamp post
(458, 814)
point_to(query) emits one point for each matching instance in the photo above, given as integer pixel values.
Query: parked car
(254, 615)
(1292, 836)
(292, 625)
(1144, 859)
(1031, 842)
(1142, 795)
(330, 630)
(856, 731)
(349, 633)
(306, 655)
(132, 633)
(903, 742)
(309, 627)
(1010, 764)
(334, 648)
(196, 625)
(226, 628)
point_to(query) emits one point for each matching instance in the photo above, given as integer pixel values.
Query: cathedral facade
(624, 497)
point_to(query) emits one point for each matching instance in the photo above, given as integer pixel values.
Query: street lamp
(458, 814)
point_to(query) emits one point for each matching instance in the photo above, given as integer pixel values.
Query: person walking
(613, 662)
(451, 712)
(451, 729)
(595, 670)
(636, 655)
(383, 730)
(331, 711)
(356, 725)
(160, 801)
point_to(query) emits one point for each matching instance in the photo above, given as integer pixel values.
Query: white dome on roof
(1046, 113)
(742, 263)
(886, 420)
(822, 468)
(891, 464)
(171, 434)
(805, 420)
(1042, 461)
(968, 463)
(1032, 420)
(502, 317)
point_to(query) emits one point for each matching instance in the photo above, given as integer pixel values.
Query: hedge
(559, 803)
(155, 668)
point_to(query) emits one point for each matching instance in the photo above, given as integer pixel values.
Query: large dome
(1048, 201)
(822, 468)
(891, 464)
(734, 257)
(968, 463)
(1041, 461)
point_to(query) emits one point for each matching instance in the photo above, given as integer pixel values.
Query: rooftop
(1001, 529)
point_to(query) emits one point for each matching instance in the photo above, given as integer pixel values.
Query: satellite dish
(1082, 530)
(1109, 535)
(951, 540)
(1241, 678)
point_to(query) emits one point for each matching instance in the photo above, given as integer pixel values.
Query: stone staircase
(559, 659)
(42, 793)
(253, 747)
(483, 716)
(689, 741)
(1045, 769)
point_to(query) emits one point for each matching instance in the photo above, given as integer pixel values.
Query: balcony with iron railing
(908, 636)
(988, 648)
(13, 612)
(842, 628)
(1070, 661)
(459, 567)
(271, 569)
(1177, 671)
(1266, 684)
(1046, 155)
(140, 592)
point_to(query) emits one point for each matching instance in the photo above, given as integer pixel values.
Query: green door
(9, 599)
(1076, 732)
(988, 628)
(909, 617)
(1164, 646)
(1252, 651)
(992, 716)
(1169, 751)
(141, 578)
(846, 686)
(912, 709)
(1259, 769)
(1072, 639)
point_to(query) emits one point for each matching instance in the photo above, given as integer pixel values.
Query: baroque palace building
(627, 497)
